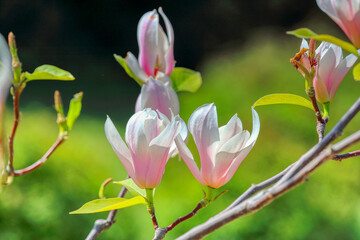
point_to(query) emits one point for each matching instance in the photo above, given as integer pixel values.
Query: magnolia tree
(156, 132)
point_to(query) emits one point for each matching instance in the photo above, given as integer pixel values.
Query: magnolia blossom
(346, 13)
(150, 143)
(221, 149)
(158, 95)
(330, 71)
(5, 69)
(156, 49)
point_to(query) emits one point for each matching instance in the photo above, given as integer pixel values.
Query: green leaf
(132, 187)
(102, 205)
(283, 98)
(307, 33)
(74, 109)
(356, 72)
(184, 79)
(48, 72)
(122, 62)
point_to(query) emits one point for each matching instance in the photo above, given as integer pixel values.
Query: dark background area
(82, 36)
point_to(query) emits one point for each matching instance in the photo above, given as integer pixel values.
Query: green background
(36, 206)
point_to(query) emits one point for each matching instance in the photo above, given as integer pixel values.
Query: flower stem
(150, 206)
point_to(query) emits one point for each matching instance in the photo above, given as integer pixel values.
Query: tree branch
(266, 196)
(341, 157)
(16, 99)
(42, 160)
(101, 225)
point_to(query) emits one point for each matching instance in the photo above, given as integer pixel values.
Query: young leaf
(283, 98)
(184, 79)
(102, 205)
(307, 33)
(132, 187)
(48, 72)
(356, 72)
(122, 62)
(74, 109)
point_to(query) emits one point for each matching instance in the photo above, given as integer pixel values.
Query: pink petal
(248, 146)
(156, 95)
(203, 125)
(225, 157)
(134, 66)
(136, 139)
(5, 70)
(159, 152)
(233, 127)
(189, 159)
(120, 148)
(169, 57)
(148, 41)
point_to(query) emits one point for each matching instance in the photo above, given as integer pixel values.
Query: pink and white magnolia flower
(5, 69)
(150, 143)
(221, 149)
(158, 95)
(330, 71)
(156, 49)
(346, 13)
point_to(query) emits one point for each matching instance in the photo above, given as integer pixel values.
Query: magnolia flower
(346, 13)
(221, 149)
(330, 71)
(150, 143)
(5, 69)
(158, 95)
(156, 49)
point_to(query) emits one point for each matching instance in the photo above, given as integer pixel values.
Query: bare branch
(266, 196)
(42, 160)
(341, 157)
(16, 99)
(101, 225)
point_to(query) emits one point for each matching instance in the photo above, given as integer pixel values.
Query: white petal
(255, 129)
(304, 44)
(134, 66)
(5, 70)
(182, 132)
(169, 57)
(119, 146)
(189, 159)
(159, 151)
(147, 32)
(233, 127)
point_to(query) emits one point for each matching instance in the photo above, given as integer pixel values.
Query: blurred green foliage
(36, 205)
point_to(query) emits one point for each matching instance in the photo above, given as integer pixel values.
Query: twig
(320, 122)
(330, 137)
(101, 225)
(42, 160)
(16, 99)
(258, 187)
(266, 196)
(341, 157)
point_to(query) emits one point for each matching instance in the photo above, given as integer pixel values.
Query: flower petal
(119, 147)
(183, 133)
(136, 139)
(157, 96)
(226, 156)
(147, 33)
(5, 70)
(169, 57)
(189, 159)
(203, 125)
(159, 151)
(134, 66)
(233, 127)
(248, 146)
